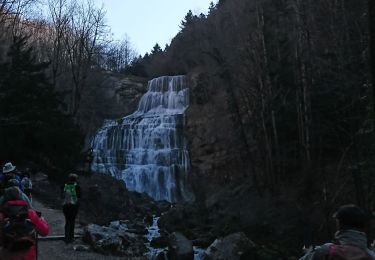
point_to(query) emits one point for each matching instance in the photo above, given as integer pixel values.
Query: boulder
(232, 247)
(114, 239)
(82, 248)
(106, 240)
(204, 240)
(180, 248)
(162, 256)
(159, 242)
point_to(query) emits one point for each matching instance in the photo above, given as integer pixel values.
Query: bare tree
(119, 55)
(59, 11)
(12, 11)
(86, 31)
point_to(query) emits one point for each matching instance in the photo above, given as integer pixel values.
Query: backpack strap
(15, 208)
(16, 203)
(332, 249)
(337, 251)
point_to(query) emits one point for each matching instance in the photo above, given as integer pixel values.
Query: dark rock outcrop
(180, 248)
(232, 247)
(110, 96)
(159, 242)
(115, 239)
(216, 148)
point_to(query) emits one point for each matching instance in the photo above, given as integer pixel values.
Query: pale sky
(147, 22)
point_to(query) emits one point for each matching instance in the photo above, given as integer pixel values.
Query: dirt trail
(57, 249)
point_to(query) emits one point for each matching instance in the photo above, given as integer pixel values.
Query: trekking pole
(36, 246)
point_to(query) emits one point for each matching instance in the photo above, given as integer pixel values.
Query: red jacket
(41, 227)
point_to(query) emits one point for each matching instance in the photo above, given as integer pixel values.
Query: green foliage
(32, 128)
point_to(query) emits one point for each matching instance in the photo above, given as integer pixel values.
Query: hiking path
(52, 248)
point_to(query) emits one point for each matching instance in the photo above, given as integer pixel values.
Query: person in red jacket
(39, 224)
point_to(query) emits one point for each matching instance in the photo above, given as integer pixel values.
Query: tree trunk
(371, 14)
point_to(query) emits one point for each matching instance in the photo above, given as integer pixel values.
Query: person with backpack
(350, 239)
(12, 190)
(19, 225)
(71, 195)
(10, 172)
(27, 185)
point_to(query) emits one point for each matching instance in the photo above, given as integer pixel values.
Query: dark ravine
(226, 198)
(147, 149)
(226, 202)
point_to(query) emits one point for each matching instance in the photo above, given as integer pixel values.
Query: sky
(147, 22)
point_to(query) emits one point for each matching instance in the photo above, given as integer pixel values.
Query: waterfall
(147, 149)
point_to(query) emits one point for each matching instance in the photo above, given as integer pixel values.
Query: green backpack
(70, 194)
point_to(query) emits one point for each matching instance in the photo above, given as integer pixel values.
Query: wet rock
(180, 248)
(81, 248)
(162, 256)
(184, 218)
(137, 227)
(203, 241)
(159, 242)
(232, 247)
(105, 239)
(114, 240)
(138, 231)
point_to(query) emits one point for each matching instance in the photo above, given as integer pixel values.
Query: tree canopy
(32, 125)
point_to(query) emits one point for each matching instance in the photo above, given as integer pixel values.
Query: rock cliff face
(147, 149)
(214, 142)
(112, 98)
(215, 146)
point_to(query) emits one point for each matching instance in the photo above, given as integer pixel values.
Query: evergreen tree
(32, 127)
(188, 20)
(211, 8)
(137, 68)
(156, 49)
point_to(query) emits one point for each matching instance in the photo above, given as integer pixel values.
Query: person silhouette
(350, 239)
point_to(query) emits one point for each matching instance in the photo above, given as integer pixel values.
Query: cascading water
(147, 149)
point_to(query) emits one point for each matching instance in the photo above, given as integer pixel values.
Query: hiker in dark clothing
(350, 240)
(10, 172)
(71, 195)
(88, 160)
(27, 185)
(12, 190)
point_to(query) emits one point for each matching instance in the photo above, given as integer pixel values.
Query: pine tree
(27, 97)
(32, 127)
(188, 20)
(156, 49)
(211, 8)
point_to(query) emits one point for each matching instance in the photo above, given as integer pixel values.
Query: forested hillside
(57, 80)
(297, 86)
(297, 79)
(281, 121)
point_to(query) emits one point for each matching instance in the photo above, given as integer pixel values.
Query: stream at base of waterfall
(147, 149)
(153, 232)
